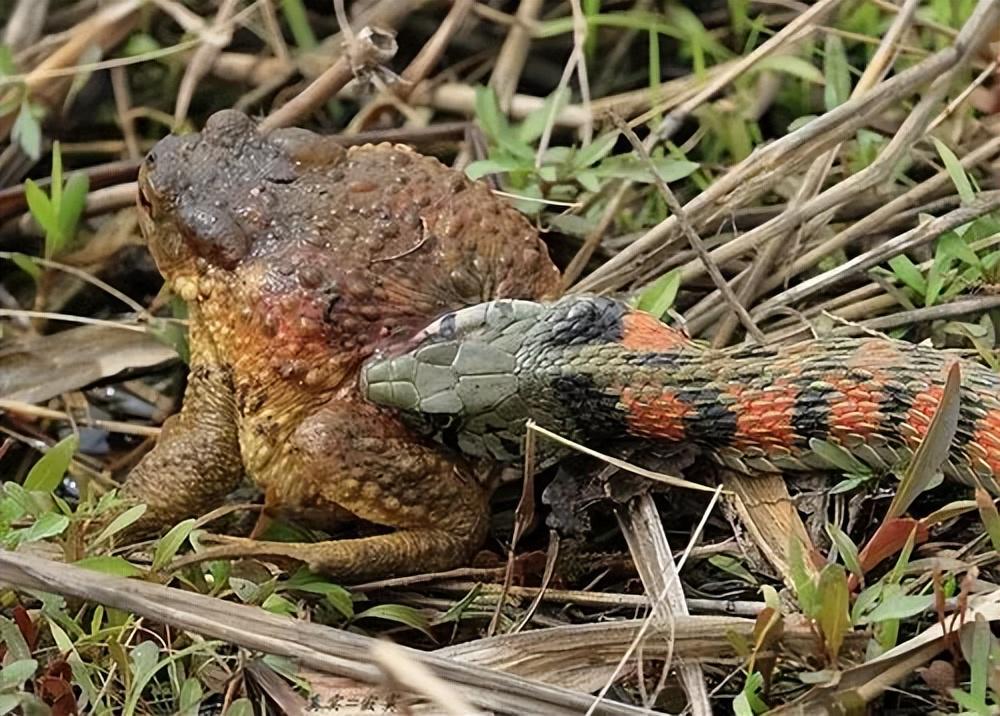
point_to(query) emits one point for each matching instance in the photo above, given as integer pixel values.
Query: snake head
(457, 380)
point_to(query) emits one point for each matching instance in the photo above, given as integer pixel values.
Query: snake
(596, 370)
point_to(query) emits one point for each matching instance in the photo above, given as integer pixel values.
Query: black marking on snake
(595, 321)
(811, 414)
(596, 412)
(712, 421)
(895, 406)
(967, 420)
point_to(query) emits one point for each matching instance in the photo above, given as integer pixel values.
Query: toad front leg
(196, 461)
(350, 457)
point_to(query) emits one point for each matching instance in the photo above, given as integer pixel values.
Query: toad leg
(196, 461)
(349, 457)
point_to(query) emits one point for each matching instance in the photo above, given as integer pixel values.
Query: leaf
(277, 604)
(491, 119)
(63, 643)
(14, 674)
(668, 169)
(9, 702)
(27, 131)
(933, 449)
(833, 618)
(47, 474)
(953, 246)
(802, 580)
(901, 606)
(989, 515)
(168, 545)
(839, 457)
(534, 124)
(28, 265)
(338, 597)
(41, 207)
(955, 171)
(659, 296)
(836, 71)
(13, 639)
(732, 566)
(191, 695)
(397, 613)
(478, 169)
(891, 536)
(748, 702)
(240, 707)
(110, 564)
(73, 202)
(845, 545)
(596, 150)
(7, 66)
(907, 272)
(790, 65)
(122, 521)
(48, 525)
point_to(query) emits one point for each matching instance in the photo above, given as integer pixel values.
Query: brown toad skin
(299, 259)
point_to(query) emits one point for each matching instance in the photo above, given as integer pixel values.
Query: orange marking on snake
(919, 418)
(857, 412)
(644, 332)
(764, 417)
(987, 435)
(658, 415)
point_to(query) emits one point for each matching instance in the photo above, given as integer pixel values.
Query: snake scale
(595, 370)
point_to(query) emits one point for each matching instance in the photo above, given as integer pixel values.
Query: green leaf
(954, 246)
(491, 119)
(836, 71)
(907, 272)
(833, 618)
(659, 296)
(338, 597)
(27, 131)
(168, 545)
(899, 606)
(110, 564)
(596, 150)
(479, 169)
(534, 124)
(989, 515)
(397, 613)
(240, 707)
(17, 672)
(7, 66)
(48, 525)
(122, 521)
(790, 65)
(41, 207)
(802, 580)
(668, 169)
(838, 457)
(190, 697)
(848, 550)
(28, 265)
(979, 661)
(74, 200)
(748, 702)
(277, 604)
(11, 637)
(9, 702)
(47, 474)
(955, 171)
(62, 641)
(733, 566)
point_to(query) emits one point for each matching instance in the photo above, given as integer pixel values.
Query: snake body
(595, 370)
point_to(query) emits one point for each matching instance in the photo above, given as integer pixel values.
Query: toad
(299, 259)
